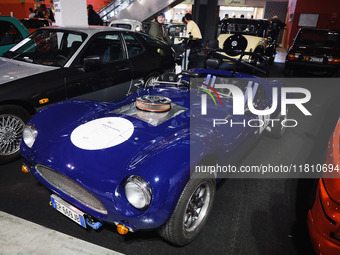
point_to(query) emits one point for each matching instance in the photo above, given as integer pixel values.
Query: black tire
(150, 78)
(178, 230)
(305, 197)
(277, 130)
(12, 122)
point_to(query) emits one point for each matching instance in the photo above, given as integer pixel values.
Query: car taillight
(334, 61)
(293, 56)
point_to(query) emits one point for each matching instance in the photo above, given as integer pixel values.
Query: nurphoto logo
(243, 102)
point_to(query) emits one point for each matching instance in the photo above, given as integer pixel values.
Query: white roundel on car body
(102, 133)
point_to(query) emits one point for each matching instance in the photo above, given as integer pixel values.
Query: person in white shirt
(195, 40)
(192, 27)
(32, 14)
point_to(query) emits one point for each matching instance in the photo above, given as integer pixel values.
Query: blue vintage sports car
(130, 162)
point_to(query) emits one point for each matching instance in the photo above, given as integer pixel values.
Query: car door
(102, 71)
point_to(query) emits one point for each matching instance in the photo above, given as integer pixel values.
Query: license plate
(313, 59)
(68, 210)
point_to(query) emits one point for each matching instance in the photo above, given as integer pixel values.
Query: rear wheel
(191, 212)
(12, 123)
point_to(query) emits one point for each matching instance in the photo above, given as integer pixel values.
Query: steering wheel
(235, 45)
(62, 56)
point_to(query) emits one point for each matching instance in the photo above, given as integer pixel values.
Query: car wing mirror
(139, 84)
(91, 62)
(190, 74)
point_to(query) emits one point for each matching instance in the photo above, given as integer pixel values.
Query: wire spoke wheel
(151, 81)
(11, 128)
(197, 207)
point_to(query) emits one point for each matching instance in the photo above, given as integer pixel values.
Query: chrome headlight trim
(138, 192)
(29, 135)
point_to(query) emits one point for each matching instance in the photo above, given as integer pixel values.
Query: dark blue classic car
(130, 162)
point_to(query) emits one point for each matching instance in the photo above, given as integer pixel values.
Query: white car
(130, 24)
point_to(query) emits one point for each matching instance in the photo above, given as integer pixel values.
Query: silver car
(130, 24)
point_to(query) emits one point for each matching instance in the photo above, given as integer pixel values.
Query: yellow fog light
(44, 101)
(25, 169)
(122, 230)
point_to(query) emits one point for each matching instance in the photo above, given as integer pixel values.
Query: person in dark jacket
(159, 32)
(275, 27)
(93, 18)
(157, 29)
(51, 16)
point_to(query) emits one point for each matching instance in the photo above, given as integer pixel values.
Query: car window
(73, 38)
(47, 47)
(133, 46)
(126, 26)
(246, 27)
(152, 41)
(108, 47)
(318, 39)
(9, 34)
(35, 23)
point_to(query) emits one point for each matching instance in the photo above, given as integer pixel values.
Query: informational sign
(66, 15)
(231, 2)
(308, 20)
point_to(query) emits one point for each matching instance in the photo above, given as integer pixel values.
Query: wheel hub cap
(11, 128)
(197, 207)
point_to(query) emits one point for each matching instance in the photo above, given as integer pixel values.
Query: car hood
(11, 70)
(75, 137)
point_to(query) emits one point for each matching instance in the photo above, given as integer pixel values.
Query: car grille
(70, 188)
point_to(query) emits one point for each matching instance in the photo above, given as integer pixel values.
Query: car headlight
(29, 135)
(138, 192)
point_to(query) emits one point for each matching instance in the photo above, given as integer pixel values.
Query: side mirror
(190, 74)
(91, 62)
(139, 84)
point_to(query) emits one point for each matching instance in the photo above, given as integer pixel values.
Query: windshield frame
(260, 26)
(316, 34)
(49, 47)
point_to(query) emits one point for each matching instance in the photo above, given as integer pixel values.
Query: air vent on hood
(153, 103)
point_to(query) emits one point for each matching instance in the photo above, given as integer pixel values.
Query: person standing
(195, 38)
(32, 14)
(51, 16)
(275, 27)
(92, 17)
(226, 16)
(39, 13)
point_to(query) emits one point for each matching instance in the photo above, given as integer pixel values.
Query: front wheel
(150, 79)
(191, 212)
(12, 123)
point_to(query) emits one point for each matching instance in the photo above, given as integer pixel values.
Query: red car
(33, 24)
(324, 217)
